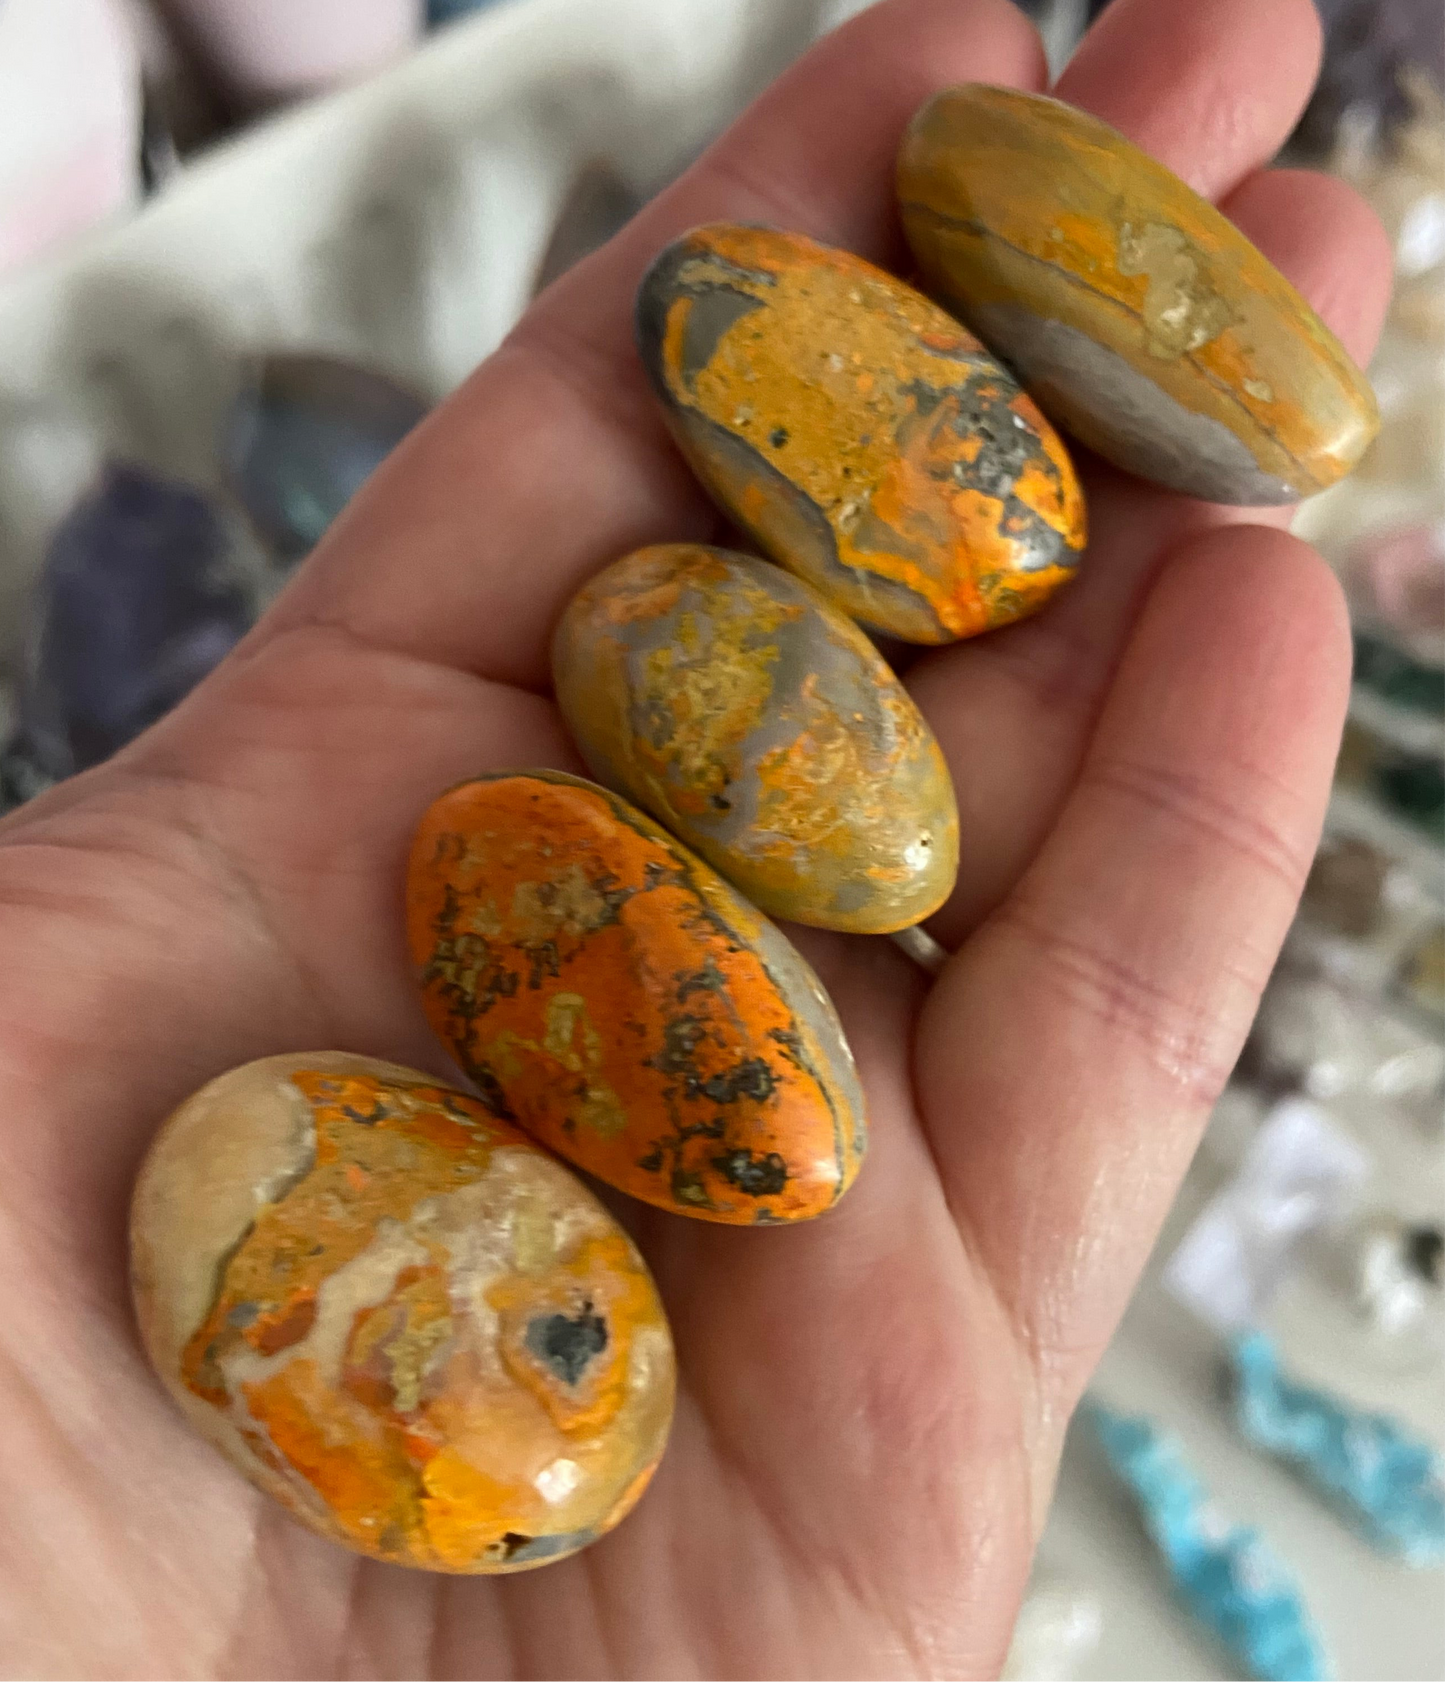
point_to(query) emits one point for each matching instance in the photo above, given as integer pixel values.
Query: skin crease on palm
(871, 1406)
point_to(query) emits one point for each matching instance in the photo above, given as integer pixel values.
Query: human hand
(871, 1406)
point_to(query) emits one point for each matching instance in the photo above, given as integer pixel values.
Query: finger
(1211, 89)
(1014, 711)
(552, 459)
(1070, 1052)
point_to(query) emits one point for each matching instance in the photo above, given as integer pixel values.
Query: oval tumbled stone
(604, 988)
(1139, 317)
(396, 1315)
(858, 432)
(765, 730)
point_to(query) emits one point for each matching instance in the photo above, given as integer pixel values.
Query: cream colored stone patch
(227, 1151)
(569, 905)
(365, 1281)
(1181, 311)
(566, 1014)
(597, 1106)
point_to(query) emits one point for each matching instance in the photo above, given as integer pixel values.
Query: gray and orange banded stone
(1142, 321)
(763, 728)
(863, 438)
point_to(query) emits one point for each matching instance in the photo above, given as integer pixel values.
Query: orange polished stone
(1140, 318)
(859, 433)
(396, 1315)
(607, 990)
(764, 729)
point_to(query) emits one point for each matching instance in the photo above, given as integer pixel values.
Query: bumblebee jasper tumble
(1142, 320)
(606, 990)
(861, 436)
(764, 728)
(396, 1315)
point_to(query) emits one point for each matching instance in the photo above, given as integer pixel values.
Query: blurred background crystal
(135, 605)
(303, 437)
(1385, 1477)
(1223, 1572)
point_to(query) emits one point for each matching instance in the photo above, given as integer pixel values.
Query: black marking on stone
(756, 1176)
(242, 1314)
(792, 1047)
(544, 961)
(470, 976)
(720, 804)
(750, 1079)
(568, 1343)
(681, 1036)
(650, 1163)
(715, 1128)
(490, 1090)
(657, 875)
(778, 437)
(708, 979)
(516, 1548)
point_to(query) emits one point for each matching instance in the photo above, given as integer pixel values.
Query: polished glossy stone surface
(863, 438)
(395, 1314)
(761, 727)
(1141, 320)
(605, 989)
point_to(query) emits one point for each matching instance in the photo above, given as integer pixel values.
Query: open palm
(872, 1405)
